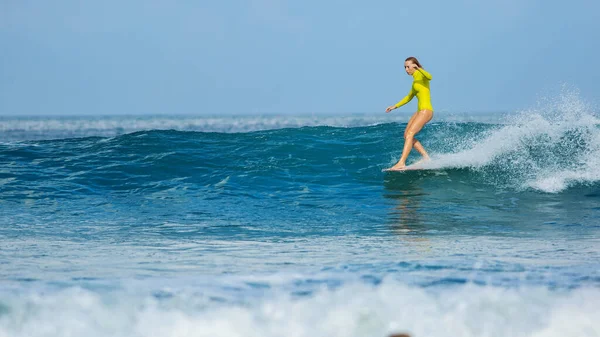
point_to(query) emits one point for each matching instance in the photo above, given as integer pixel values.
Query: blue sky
(283, 56)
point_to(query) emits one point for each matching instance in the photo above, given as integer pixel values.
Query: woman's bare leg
(411, 121)
(417, 146)
(415, 125)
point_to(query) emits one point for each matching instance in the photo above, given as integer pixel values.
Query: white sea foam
(548, 148)
(353, 310)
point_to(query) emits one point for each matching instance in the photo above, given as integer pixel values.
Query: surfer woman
(420, 88)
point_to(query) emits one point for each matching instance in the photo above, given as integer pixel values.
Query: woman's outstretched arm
(405, 100)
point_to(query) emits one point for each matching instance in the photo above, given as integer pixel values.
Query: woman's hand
(414, 66)
(390, 108)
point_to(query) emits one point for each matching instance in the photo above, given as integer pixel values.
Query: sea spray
(548, 148)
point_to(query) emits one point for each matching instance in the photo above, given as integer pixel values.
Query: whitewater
(286, 225)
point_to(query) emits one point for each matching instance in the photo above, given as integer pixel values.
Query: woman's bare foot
(398, 166)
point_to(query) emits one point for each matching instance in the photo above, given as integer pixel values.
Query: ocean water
(287, 226)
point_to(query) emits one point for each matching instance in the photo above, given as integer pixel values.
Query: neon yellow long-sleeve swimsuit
(420, 88)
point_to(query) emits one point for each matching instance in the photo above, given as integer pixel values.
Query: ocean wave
(352, 310)
(548, 149)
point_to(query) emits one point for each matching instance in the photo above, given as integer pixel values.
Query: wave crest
(549, 148)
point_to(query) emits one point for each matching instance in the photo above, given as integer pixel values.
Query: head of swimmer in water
(410, 65)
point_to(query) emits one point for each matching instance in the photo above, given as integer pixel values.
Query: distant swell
(36, 128)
